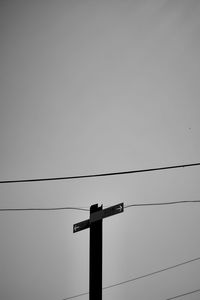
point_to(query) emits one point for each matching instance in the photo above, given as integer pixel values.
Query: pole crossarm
(81, 226)
(98, 215)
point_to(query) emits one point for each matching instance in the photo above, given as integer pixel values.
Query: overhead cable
(76, 296)
(44, 209)
(153, 273)
(139, 277)
(182, 295)
(162, 203)
(100, 174)
(87, 209)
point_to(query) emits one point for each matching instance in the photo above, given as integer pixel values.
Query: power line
(182, 295)
(76, 296)
(139, 277)
(161, 203)
(87, 209)
(43, 209)
(100, 174)
(153, 273)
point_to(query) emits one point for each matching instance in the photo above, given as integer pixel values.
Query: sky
(89, 87)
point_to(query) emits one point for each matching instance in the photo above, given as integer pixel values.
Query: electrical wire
(175, 297)
(43, 209)
(182, 295)
(87, 209)
(153, 273)
(161, 203)
(139, 277)
(100, 174)
(76, 296)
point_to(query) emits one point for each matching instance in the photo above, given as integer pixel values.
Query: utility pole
(96, 246)
(94, 223)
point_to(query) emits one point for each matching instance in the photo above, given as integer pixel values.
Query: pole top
(98, 213)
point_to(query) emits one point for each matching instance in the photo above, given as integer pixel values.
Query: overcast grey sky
(99, 86)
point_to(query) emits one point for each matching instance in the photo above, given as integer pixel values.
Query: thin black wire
(139, 277)
(44, 209)
(76, 296)
(87, 209)
(162, 203)
(99, 174)
(153, 273)
(181, 295)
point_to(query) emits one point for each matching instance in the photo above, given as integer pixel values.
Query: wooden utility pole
(97, 214)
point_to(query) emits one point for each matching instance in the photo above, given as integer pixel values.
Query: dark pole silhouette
(95, 277)
(97, 214)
